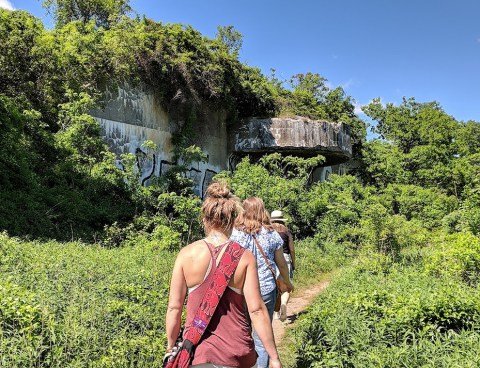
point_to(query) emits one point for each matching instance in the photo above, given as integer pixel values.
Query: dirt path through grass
(300, 300)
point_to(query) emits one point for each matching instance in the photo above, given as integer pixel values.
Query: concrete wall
(130, 116)
(297, 135)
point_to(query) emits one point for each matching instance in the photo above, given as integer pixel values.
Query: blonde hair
(253, 217)
(220, 207)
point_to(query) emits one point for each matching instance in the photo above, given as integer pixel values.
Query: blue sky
(427, 49)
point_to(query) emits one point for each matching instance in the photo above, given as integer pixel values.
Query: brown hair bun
(220, 207)
(219, 189)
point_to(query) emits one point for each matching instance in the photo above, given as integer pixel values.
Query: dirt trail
(298, 303)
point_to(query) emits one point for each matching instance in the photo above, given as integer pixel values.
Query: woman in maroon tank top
(227, 341)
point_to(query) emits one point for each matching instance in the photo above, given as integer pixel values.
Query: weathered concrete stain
(130, 116)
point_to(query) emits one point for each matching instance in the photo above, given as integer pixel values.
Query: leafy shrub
(466, 218)
(368, 319)
(312, 260)
(427, 205)
(331, 207)
(172, 222)
(26, 329)
(380, 228)
(373, 263)
(108, 304)
(455, 255)
(280, 181)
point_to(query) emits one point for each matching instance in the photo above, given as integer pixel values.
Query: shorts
(288, 258)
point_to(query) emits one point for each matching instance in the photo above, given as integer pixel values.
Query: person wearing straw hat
(278, 223)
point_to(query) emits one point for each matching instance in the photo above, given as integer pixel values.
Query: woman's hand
(178, 290)
(172, 353)
(290, 286)
(285, 286)
(282, 268)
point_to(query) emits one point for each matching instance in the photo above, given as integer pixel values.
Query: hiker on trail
(254, 232)
(278, 223)
(227, 338)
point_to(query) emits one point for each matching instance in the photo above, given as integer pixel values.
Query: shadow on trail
(293, 317)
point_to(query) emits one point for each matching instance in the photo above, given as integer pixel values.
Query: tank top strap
(210, 247)
(215, 251)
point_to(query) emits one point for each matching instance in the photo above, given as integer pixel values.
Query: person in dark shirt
(278, 223)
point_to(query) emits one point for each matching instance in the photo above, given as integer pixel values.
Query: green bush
(281, 181)
(334, 206)
(455, 255)
(108, 305)
(313, 261)
(171, 222)
(372, 319)
(428, 205)
(465, 219)
(27, 330)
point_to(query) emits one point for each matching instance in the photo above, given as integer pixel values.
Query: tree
(340, 107)
(412, 123)
(231, 38)
(467, 138)
(310, 83)
(421, 137)
(281, 181)
(22, 72)
(103, 12)
(311, 97)
(383, 163)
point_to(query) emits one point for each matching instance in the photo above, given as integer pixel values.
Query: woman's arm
(283, 268)
(178, 290)
(291, 246)
(258, 311)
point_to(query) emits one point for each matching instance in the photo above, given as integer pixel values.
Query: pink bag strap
(219, 282)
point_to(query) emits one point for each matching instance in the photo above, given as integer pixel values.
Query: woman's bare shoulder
(248, 258)
(191, 249)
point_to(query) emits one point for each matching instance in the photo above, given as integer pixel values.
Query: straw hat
(277, 216)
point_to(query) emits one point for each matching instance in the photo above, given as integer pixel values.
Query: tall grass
(313, 262)
(391, 316)
(80, 305)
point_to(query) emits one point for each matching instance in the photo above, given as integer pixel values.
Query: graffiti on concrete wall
(165, 166)
(207, 179)
(196, 176)
(147, 166)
